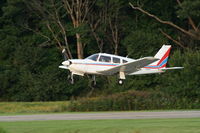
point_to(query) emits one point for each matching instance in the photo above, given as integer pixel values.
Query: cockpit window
(124, 61)
(105, 58)
(93, 57)
(116, 60)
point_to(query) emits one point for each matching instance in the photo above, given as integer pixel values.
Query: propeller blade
(64, 54)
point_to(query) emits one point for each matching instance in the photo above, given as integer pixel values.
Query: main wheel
(120, 82)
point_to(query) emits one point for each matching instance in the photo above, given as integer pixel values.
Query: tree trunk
(79, 46)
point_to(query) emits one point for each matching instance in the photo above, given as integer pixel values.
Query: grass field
(23, 108)
(32, 107)
(104, 126)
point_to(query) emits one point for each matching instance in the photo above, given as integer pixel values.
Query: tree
(192, 34)
(78, 11)
(105, 24)
(50, 12)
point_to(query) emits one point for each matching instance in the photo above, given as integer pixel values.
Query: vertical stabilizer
(162, 55)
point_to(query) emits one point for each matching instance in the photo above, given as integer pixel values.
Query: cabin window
(105, 58)
(116, 60)
(124, 61)
(93, 57)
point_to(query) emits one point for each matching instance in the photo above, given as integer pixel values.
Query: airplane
(109, 64)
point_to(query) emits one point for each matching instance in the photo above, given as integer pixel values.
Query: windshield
(93, 57)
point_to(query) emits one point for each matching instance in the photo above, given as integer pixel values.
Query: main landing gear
(121, 77)
(120, 82)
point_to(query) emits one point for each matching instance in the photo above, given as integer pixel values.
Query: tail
(162, 55)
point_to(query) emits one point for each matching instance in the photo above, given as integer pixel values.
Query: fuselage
(101, 62)
(108, 64)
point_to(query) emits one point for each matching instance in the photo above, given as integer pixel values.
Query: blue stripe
(161, 64)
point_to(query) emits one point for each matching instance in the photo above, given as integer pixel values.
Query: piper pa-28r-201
(108, 64)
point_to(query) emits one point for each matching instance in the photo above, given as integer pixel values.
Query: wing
(130, 67)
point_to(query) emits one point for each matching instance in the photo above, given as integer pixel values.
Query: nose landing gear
(70, 77)
(94, 80)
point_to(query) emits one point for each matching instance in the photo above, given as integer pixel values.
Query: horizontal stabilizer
(63, 67)
(172, 68)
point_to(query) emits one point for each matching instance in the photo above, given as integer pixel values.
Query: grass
(2, 130)
(191, 125)
(23, 108)
(7, 108)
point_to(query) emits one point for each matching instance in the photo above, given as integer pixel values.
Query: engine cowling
(66, 63)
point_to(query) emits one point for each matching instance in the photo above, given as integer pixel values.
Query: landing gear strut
(121, 77)
(94, 80)
(71, 78)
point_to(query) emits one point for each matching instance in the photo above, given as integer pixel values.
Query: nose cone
(66, 63)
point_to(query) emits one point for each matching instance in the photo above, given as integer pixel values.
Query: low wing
(130, 67)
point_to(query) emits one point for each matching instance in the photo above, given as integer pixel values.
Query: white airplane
(108, 64)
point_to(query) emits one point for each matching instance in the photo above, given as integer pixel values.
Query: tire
(120, 82)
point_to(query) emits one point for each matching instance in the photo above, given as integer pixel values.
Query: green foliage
(189, 8)
(29, 62)
(132, 100)
(32, 107)
(143, 43)
(184, 83)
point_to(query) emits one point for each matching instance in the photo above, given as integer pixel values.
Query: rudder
(162, 55)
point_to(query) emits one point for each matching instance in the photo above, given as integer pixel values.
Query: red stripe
(95, 64)
(99, 65)
(166, 55)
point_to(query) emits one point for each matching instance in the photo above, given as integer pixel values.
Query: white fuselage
(88, 66)
(108, 64)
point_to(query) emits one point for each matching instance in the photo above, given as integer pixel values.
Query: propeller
(67, 62)
(64, 54)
